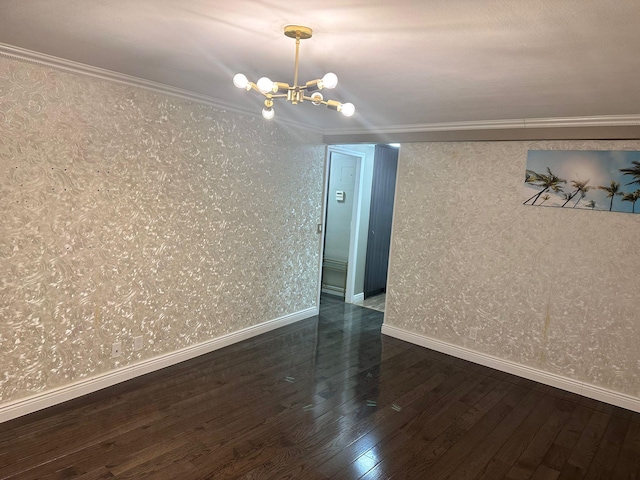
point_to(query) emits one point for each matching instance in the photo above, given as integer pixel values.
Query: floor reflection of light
(366, 462)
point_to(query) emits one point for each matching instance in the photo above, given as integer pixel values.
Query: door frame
(354, 233)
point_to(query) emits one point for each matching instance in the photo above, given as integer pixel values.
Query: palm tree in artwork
(612, 191)
(530, 176)
(580, 187)
(545, 197)
(591, 204)
(633, 198)
(633, 171)
(583, 193)
(547, 181)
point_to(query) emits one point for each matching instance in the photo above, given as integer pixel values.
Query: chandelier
(295, 93)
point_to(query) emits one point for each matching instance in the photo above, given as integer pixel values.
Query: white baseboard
(52, 397)
(335, 291)
(359, 297)
(558, 381)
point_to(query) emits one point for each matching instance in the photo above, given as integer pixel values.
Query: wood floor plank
(494, 470)
(527, 463)
(518, 421)
(385, 431)
(608, 450)
(358, 424)
(586, 447)
(327, 397)
(543, 472)
(443, 460)
(560, 451)
(383, 423)
(628, 462)
(436, 434)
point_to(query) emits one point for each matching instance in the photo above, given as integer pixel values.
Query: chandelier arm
(322, 102)
(280, 95)
(255, 88)
(265, 95)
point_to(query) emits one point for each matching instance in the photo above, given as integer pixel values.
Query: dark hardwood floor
(328, 397)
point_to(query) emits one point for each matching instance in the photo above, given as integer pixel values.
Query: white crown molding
(85, 386)
(558, 381)
(51, 61)
(511, 124)
(430, 127)
(22, 54)
(593, 121)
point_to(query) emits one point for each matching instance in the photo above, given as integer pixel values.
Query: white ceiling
(402, 63)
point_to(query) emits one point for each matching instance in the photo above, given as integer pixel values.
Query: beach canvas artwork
(585, 179)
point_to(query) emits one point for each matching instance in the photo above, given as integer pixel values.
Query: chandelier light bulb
(348, 109)
(316, 98)
(265, 85)
(268, 113)
(330, 80)
(240, 80)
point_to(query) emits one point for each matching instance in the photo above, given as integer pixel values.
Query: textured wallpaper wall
(129, 213)
(549, 288)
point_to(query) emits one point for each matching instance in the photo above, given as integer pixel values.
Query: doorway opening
(359, 196)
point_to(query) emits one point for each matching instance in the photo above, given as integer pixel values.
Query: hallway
(375, 303)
